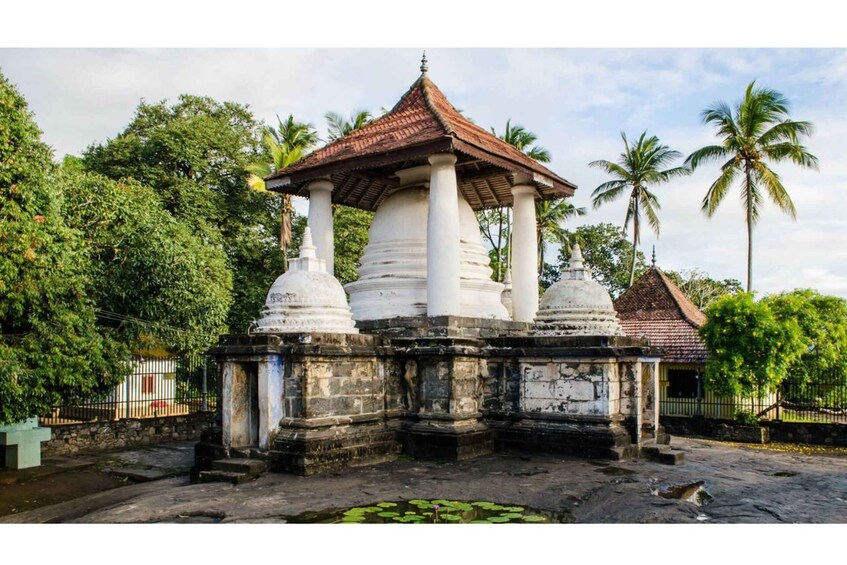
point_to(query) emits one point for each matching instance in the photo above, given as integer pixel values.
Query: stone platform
(445, 388)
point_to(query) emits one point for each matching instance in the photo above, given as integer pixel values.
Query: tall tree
(640, 166)
(700, 288)
(52, 351)
(605, 251)
(550, 216)
(523, 140)
(161, 284)
(284, 145)
(339, 126)
(193, 154)
(758, 131)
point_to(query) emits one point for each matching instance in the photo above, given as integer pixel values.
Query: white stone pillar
(442, 238)
(320, 221)
(524, 251)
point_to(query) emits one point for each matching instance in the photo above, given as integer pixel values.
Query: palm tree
(549, 217)
(339, 127)
(286, 144)
(638, 167)
(759, 131)
(521, 139)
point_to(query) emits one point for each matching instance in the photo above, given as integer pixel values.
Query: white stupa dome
(306, 298)
(576, 304)
(392, 273)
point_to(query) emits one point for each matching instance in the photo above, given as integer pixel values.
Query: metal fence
(824, 401)
(157, 386)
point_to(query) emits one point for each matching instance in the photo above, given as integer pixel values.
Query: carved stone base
(447, 442)
(309, 451)
(586, 437)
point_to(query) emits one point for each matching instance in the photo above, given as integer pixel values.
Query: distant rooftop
(656, 308)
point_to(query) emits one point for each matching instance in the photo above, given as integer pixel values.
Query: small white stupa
(576, 305)
(306, 298)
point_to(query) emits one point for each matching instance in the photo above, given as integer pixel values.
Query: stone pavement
(746, 485)
(61, 479)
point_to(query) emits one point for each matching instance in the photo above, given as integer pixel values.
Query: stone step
(250, 467)
(223, 477)
(664, 454)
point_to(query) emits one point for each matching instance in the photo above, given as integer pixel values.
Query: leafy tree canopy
(750, 349)
(194, 155)
(823, 323)
(351, 236)
(51, 350)
(700, 288)
(147, 266)
(606, 252)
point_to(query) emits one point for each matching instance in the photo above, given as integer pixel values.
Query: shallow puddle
(440, 511)
(695, 492)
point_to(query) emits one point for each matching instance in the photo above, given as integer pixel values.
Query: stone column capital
(320, 184)
(437, 159)
(519, 189)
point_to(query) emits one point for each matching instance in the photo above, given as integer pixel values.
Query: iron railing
(157, 386)
(822, 401)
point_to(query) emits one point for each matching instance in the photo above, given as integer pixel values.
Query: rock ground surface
(747, 485)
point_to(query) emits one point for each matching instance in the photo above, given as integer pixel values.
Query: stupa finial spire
(654, 256)
(307, 248)
(576, 257)
(424, 66)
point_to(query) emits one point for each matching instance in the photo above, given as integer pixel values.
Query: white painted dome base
(306, 299)
(392, 273)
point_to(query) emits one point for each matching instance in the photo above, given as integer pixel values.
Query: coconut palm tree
(520, 138)
(286, 144)
(339, 126)
(550, 215)
(640, 166)
(759, 130)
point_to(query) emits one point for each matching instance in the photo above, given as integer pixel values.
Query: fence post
(778, 400)
(204, 398)
(126, 391)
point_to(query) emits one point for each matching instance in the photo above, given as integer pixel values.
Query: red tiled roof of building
(656, 308)
(421, 123)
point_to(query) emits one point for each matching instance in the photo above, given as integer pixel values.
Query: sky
(578, 101)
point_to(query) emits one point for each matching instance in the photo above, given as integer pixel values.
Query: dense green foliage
(51, 349)
(823, 323)
(146, 265)
(759, 131)
(194, 155)
(606, 252)
(750, 350)
(351, 236)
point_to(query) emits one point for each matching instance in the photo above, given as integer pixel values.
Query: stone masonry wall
(106, 436)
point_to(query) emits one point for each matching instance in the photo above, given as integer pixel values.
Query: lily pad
(511, 515)
(514, 509)
(534, 519)
(498, 519)
(387, 514)
(387, 504)
(480, 522)
(353, 519)
(450, 517)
